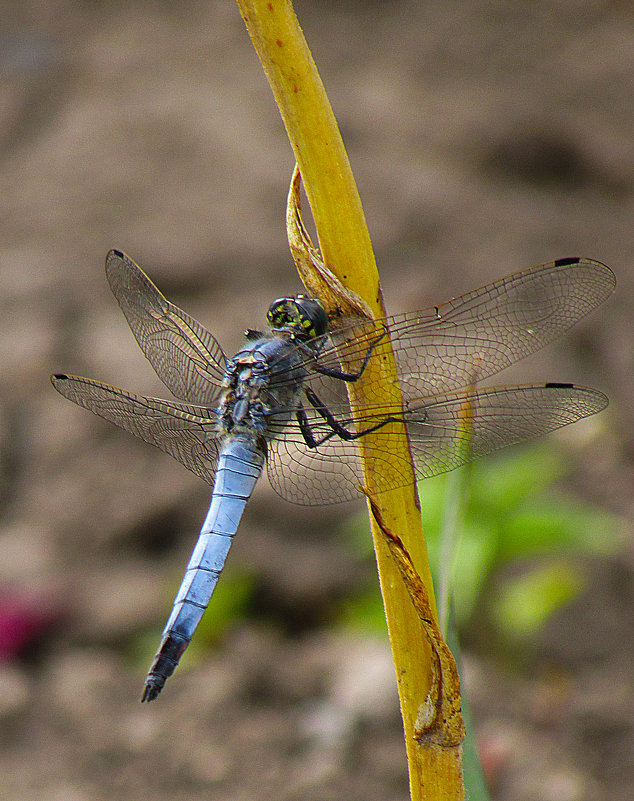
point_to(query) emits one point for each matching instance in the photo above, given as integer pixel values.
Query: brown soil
(485, 137)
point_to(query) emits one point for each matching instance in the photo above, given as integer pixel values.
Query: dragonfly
(281, 402)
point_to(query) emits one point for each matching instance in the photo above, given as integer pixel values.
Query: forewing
(444, 433)
(184, 355)
(180, 430)
(478, 334)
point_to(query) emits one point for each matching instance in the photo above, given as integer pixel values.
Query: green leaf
(524, 604)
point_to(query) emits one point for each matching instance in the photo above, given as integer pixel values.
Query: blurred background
(485, 137)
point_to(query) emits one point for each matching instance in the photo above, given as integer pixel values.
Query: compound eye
(273, 314)
(282, 312)
(312, 317)
(305, 317)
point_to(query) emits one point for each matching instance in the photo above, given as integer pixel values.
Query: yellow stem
(435, 771)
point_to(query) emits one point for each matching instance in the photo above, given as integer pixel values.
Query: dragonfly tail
(239, 466)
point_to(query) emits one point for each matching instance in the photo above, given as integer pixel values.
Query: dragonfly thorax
(263, 378)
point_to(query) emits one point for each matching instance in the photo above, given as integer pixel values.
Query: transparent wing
(184, 355)
(460, 427)
(185, 432)
(478, 334)
(444, 432)
(471, 337)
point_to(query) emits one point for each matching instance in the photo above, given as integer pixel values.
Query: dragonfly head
(303, 317)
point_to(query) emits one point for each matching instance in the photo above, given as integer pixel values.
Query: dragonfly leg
(304, 427)
(343, 375)
(337, 428)
(307, 432)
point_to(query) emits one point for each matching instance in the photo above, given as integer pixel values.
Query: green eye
(304, 317)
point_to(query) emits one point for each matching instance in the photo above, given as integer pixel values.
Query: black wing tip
(567, 260)
(601, 399)
(120, 266)
(59, 377)
(603, 273)
(116, 260)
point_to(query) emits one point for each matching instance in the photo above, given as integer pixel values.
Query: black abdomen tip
(152, 689)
